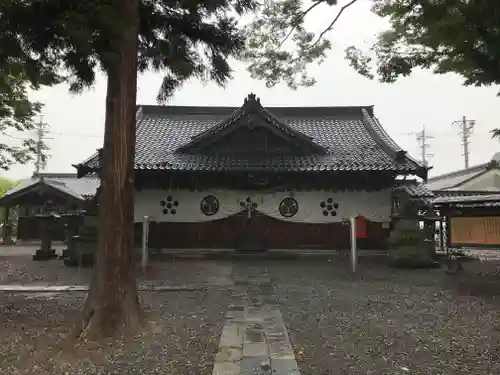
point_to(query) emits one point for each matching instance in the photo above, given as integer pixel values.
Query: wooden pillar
(441, 235)
(448, 233)
(7, 228)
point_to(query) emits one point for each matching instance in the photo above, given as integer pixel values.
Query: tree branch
(332, 23)
(296, 21)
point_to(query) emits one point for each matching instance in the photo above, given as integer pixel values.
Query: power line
(75, 134)
(41, 131)
(51, 132)
(467, 129)
(422, 136)
(11, 136)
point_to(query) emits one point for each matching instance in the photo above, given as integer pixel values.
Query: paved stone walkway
(254, 339)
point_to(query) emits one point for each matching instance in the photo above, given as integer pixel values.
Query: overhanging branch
(330, 26)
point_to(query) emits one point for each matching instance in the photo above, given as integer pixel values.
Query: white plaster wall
(375, 206)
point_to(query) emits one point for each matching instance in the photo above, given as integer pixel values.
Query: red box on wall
(360, 227)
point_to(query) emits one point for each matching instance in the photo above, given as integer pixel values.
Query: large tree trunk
(112, 305)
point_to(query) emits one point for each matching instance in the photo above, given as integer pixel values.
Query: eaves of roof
(13, 196)
(353, 138)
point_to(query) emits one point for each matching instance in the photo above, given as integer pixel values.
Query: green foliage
(17, 113)
(459, 36)
(446, 36)
(6, 185)
(495, 133)
(278, 45)
(73, 39)
(51, 41)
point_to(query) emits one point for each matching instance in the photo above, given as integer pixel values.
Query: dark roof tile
(353, 139)
(478, 198)
(85, 186)
(414, 189)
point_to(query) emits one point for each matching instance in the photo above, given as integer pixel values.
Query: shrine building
(257, 178)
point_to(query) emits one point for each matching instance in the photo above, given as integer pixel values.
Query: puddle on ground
(38, 288)
(45, 288)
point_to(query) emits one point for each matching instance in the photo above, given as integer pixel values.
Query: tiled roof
(67, 183)
(460, 193)
(480, 198)
(414, 189)
(454, 179)
(352, 137)
(85, 186)
(245, 116)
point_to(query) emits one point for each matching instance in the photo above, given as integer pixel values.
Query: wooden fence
(475, 231)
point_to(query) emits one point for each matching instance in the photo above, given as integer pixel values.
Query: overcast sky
(77, 122)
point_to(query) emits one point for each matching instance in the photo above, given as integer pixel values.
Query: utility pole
(466, 130)
(422, 137)
(40, 137)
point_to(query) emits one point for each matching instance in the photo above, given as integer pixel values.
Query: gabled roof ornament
(251, 102)
(251, 114)
(252, 97)
(401, 155)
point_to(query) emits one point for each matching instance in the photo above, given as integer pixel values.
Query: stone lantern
(46, 219)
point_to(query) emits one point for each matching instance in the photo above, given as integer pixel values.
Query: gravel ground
(20, 269)
(386, 321)
(17, 267)
(379, 321)
(182, 337)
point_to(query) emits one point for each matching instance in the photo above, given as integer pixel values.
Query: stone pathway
(254, 339)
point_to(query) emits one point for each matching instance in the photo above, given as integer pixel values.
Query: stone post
(45, 252)
(354, 255)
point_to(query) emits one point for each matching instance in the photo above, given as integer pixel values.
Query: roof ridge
(382, 133)
(459, 172)
(250, 106)
(54, 174)
(284, 125)
(390, 147)
(317, 111)
(62, 185)
(234, 116)
(368, 123)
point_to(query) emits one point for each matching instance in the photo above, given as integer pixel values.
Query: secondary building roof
(413, 188)
(457, 179)
(177, 138)
(65, 184)
(85, 187)
(467, 201)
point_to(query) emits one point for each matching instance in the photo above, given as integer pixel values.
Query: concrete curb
(268, 255)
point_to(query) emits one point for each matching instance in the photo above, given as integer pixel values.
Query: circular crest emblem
(209, 205)
(288, 207)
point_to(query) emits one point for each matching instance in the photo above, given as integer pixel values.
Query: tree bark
(112, 306)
